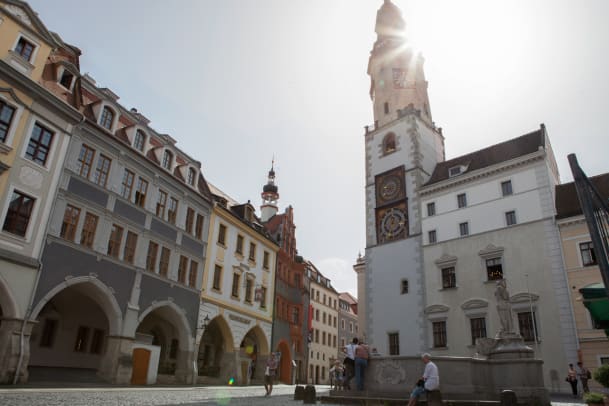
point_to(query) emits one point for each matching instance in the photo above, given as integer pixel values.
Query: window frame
(14, 217)
(102, 170)
(221, 240)
(38, 150)
(404, 287)
(141, 191)
(182, 269)
(394, 343)
(127, 184)
(87, 234)
(130, 247)
(161, 204)
(172, 210)
(199, 226)
(190, 220)
(139, 140)
(69, 223)
(506, 188)
(449, 277)
(533, 328)
(5, 126)
(114, 240)
(587, 254)
(510, 218)
(191, 176)
(23, 51)
(432, 236)
(439, 334)
(431, 209)
(464, 229)
(167, 159)
(461, 200)
(193, 273)
(239, 244)
(217, 278)
(235, 285)
(492, 267)
(477, 327)
(252, 252)
(85, 161)
(164, 260)
(106, 117)
(151, 256)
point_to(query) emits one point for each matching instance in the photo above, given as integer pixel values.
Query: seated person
(337, 375)
(429, 382)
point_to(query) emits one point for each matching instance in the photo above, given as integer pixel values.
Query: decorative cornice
(524, 298)
(446, 260)
(474, 304)
(491, 251)
(436, 308)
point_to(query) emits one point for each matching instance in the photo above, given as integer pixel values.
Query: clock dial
(392, 223)
(390, 186)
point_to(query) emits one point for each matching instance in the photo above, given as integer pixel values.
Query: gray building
(347, 319)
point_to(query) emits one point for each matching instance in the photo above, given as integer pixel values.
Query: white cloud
(340, 272)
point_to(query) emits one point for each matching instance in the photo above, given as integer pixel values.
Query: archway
(285, 364)
(214, 360)
(253, 351)
(69, 341)
(163, 326)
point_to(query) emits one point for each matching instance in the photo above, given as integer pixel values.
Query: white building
(487, 216)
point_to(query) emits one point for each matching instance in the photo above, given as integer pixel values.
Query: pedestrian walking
(349, 361)
(584, 375)
(362, 353)
(572, 379)
(269, 373)
(428, 382)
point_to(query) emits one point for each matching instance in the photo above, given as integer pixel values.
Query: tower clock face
(392, 223)
(390, 186)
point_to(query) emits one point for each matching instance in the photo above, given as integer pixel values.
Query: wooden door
(141, 360)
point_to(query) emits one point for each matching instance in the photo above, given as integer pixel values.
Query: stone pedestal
(509, 346)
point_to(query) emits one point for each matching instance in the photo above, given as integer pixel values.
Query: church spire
(270, 195)
(397, 79)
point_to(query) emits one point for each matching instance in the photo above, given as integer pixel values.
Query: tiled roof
(567, 202)
(505, 151)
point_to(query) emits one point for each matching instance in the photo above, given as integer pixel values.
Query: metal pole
(526, 276)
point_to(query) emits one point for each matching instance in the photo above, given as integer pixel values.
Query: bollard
(299, 392)
(310, 398)
(508, 398)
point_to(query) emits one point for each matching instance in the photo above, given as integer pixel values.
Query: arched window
(389, 143)
(107, 118)
(139, 140)
(167, 156)
(191, 176)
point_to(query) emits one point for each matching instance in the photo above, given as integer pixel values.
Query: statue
(504, 308)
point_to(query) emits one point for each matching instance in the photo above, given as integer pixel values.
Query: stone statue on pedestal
(504, 308)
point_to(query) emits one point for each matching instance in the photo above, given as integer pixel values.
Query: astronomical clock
(391, 206)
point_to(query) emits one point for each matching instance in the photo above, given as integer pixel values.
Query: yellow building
(237, 295)
(582, 270)
(34, 136)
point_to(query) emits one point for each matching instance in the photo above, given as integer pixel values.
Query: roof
(502, 152)
(567, 202)
(348, 297)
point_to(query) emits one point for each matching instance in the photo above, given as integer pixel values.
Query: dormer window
(167, 157)
(139, 140)
(192, 174)
(66, 79)
(25, 49)
(389, 143)
(107, 118)
(248, 214)
(455, 170)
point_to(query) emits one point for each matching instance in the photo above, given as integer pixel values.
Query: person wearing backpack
(362, 353)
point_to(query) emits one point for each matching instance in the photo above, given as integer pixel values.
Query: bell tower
(396, 72)
(270, 195)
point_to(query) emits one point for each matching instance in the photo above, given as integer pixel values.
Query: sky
(238, 82)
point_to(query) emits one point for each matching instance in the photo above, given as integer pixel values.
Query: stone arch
(389, 143)
(170, 311)
(8, 304)
(98, 291)
(285, 364)
(216, 358)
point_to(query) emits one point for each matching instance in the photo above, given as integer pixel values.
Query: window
(394, 343)
(97, 342)
(439, 334)
(235, 289)
(172, 213)
(527, 325)
(506, 188)
(107, 117)
(153, 249)
(249, 285)
(127, 184)
(161, 203)
(192, 277)
(295, 315)
(182, 268)
(431, 209)
(389, 143)
(510, 218)
(81, 339)
(164, 261)
(100, 176)
(222, 234)
(239, 248)
(317, 339)
(139, 140)
(478, 328)
(89, 227)
(217, 277)
(587, 252)
(85, 161)
(167, 158)
(464, 229)
(66, 79)
(494, 269)
(48, 333)
(252, 255)
(130, 246)
(323, 318)
(386, 108)
(39, 145)
(25, 49)
(342, 324)
(70, 222)
(454, 171)
(18, 213)
(404, 286)
(265, 265)
(199, 226)
(141, 188)
(263, 297)
(449, 279)
(351, 327)
(114, 243)
(190, 219)
(461, 200)
(432, 236)
(323, 338)
(6, 116)
(192, 174)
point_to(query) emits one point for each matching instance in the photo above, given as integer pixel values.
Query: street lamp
(205, 322)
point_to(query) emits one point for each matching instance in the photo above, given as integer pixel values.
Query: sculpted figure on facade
(504, 309)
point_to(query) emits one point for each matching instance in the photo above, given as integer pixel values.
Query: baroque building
(236, 295)
(348, 326)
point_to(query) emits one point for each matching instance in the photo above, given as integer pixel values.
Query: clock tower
(403, 147)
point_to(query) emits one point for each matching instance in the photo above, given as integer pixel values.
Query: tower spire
(270, 195)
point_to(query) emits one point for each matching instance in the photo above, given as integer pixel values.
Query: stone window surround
(446, 261)
(491, 252)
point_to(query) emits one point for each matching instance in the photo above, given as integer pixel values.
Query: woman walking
(572, 379)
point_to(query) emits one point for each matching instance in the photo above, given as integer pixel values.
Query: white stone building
(488, 216)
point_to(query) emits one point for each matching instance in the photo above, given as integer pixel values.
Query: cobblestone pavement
(164, 396)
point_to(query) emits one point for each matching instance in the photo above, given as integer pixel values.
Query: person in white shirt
(349, 351)
(430, 380)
